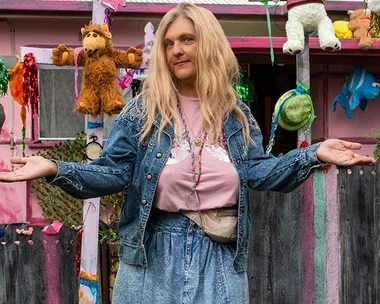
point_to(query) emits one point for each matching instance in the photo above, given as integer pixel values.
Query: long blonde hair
(216, 66)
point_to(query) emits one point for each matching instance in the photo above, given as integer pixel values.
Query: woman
(185, 146)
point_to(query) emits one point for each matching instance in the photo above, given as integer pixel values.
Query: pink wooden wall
(17, 205)
(329, 124)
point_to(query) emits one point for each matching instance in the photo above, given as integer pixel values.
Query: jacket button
(159, 155)
(239, 161)
(149, 177)
(245, 185)
(144, 202)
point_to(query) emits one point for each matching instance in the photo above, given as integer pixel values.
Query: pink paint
(12, 203)
(52, 260)
(5, 136)
(332, 277)
(308, 241)
(4, 167)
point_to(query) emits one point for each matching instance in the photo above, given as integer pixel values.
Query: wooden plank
(357, 203)
(68, 239)
(10, 264)
(30, 288)
(274, 259)
(287, 255)
(376, 171)
(260, 270)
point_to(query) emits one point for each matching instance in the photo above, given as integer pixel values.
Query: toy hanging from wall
(293, 111)
(307, 16)
(356, 91)
(99, 60)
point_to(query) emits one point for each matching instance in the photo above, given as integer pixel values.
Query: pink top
(219, 183)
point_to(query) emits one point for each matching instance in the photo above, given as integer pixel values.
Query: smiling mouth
(181, 62)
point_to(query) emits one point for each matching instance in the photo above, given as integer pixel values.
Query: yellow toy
(341, 29)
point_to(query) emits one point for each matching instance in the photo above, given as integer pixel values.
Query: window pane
(57, 120)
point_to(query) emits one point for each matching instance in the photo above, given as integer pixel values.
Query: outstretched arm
(32, 168)
(131, 58)
(62, 55)
(287, 172)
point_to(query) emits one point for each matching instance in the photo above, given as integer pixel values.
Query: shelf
(251, 9)
(261, 45)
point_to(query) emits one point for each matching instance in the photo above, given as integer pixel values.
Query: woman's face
(181, 47)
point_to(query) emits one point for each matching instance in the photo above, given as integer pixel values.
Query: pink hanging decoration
(126, 80)
(113, 4)
(30, 88)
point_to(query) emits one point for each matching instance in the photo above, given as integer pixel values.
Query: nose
(177, 49)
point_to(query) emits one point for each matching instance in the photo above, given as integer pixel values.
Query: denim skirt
(185, 266)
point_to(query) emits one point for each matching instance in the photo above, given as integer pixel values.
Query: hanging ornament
(30, 89)
(4, 78)
(113, 4)
(16, 87)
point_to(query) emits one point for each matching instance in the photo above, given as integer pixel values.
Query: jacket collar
(232, 125)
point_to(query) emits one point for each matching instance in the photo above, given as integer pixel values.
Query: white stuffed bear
(306, 16)
(374, 6)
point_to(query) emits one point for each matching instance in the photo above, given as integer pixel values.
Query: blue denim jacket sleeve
(108, 174)
(284, 173)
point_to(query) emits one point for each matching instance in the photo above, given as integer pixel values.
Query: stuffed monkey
(100, 61)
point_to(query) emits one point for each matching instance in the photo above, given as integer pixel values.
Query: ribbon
(76, 54)
(265, 2)
(107, 18)
(94, 125)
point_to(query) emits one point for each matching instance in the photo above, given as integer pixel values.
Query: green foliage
(375, 134)
(57, 204)
(108, 236)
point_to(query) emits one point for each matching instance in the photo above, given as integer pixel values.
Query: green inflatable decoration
(245, 89)
(4, 78)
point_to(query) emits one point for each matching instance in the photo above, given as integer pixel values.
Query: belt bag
(218, 224)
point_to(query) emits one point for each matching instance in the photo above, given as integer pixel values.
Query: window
(57, 119)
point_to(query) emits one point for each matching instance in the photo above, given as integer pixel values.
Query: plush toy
(341, 29)
(307, 16)
(360, 24)
(100, 61)
(360, 87)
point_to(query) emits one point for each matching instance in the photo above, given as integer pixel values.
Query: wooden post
(91, 207)
(303, 75)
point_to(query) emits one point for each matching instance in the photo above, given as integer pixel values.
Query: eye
(168, 44)
(94, 35)
(188, 40)
(88, 35)
(376, 85)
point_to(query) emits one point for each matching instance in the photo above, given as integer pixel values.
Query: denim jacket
(134, 167)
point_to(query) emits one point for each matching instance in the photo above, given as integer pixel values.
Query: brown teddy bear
(100, 61)
(360, 24)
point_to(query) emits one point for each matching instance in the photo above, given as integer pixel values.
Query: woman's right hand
(32, 168)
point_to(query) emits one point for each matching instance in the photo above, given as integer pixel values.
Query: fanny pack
(218, 224)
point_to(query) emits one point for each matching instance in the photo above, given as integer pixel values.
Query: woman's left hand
(342, 153)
